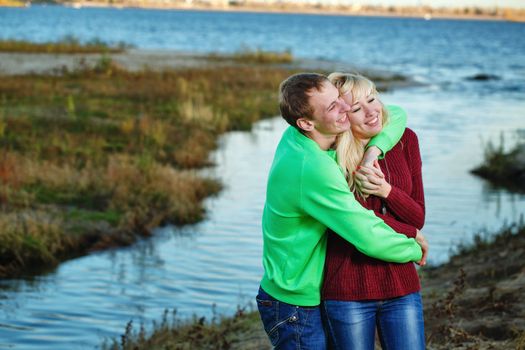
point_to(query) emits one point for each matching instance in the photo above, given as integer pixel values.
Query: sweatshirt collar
(307, 142)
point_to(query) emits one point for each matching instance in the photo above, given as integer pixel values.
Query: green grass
(66, 45)
(113, 217)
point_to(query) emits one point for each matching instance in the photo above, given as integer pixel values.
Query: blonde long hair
(349, 149)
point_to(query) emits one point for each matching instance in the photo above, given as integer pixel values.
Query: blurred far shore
(426, 12)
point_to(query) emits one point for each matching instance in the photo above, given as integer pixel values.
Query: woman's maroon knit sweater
(351, 275)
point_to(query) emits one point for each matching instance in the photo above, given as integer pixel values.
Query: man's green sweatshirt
(306, 193)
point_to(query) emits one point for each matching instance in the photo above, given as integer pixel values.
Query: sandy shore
(157, 60)
(133, 60)
(45, 63)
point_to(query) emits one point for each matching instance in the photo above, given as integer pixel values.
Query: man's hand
(421, 240)
(371, 180)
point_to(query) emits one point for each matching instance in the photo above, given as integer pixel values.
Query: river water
(216, 264)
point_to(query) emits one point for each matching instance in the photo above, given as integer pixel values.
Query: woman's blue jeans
(290, 326)
(351, 325)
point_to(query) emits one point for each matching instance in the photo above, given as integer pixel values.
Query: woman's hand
(371, 180)
(370, 156)
(421, 240)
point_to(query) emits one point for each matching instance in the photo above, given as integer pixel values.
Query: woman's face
(365, 115)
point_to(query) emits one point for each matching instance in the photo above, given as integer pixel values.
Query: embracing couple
(344, 206)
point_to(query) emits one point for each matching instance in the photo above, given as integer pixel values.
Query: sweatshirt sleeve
(326, 198)
(392, 131)
(398, 226)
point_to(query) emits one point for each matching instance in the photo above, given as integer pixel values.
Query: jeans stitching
(294, 324)
(279, 324)
(296, 331)
(300, 326)
(274, 328)
(274, 331)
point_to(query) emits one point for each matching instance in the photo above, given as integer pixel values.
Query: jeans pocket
(277, 318)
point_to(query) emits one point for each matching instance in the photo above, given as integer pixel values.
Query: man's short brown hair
(294, 96)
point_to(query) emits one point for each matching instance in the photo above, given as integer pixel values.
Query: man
(306, 194)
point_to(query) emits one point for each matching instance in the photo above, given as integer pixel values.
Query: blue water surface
(218, 261)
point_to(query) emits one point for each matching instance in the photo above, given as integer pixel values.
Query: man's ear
(305, 124)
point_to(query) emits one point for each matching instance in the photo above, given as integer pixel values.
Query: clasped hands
(371, 181)
(369, 178)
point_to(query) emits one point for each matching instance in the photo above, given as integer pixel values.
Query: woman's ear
(305, 124)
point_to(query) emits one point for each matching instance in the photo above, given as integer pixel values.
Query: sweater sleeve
(392, 131)
(410, 207)
(326, 198)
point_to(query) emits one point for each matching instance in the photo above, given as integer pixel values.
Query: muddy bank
(475, 301)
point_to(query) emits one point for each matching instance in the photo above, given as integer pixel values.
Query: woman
(361, 293)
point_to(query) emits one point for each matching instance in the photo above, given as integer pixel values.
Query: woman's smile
(373, 122)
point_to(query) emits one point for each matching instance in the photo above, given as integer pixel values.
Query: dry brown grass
(112, 153)
(67, 44)
(242, 331)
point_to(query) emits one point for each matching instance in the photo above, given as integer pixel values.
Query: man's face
(330, 111)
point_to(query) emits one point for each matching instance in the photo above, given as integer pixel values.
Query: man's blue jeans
(399, 321)
(290, 326)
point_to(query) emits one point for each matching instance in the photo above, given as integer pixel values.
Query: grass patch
(505, 169)
(261, 56)
(257, 56)
(111, 216)
(241, 331)
(30, 237)
(112, 152)
(66, 45)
